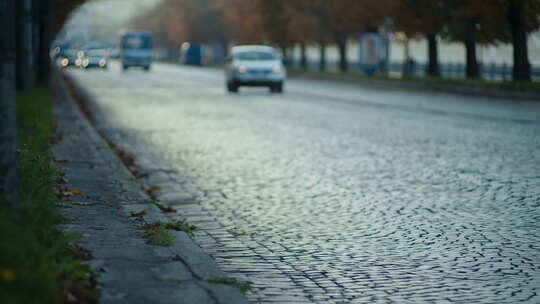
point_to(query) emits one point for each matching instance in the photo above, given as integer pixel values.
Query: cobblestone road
(334, 193)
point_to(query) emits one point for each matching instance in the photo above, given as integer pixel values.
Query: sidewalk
(106, 208)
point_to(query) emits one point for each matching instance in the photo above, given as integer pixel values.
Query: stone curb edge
(201, 264)
(411, 85)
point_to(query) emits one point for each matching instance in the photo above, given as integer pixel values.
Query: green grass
(36, 265)
(156, 233)
(505, 85)
(153, 202)
(244, 287)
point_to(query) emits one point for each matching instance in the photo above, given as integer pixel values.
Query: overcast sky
(108, 15)
(119, 10)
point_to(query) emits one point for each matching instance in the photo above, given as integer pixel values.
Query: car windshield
(136, 42)
(96, 52)
(70, 52)
(255, 55)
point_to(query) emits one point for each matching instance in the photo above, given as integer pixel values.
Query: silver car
(255, 65)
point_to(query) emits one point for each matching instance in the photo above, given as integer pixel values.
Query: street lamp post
(388, 24)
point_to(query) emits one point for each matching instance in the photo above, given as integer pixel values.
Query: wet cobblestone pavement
(333, 193)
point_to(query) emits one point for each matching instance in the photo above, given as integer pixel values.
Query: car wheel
(277, 88)
(125, 67)
(232, 87)
(147, 68)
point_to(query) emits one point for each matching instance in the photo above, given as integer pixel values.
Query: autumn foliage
(289, 23)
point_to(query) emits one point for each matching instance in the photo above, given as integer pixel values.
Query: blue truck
(136, 49)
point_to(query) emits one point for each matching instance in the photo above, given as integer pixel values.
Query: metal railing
(488, 71)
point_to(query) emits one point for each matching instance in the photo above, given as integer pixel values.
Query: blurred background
(451, 38)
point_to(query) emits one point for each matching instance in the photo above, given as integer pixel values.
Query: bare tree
(350, 17)
(422, 18)
(517, 13)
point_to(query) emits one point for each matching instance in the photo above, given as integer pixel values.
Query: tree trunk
(518, 27)
(9, 190)
(433, 64)
(35, 36)
(23, 19)
(472, 68)
(303, 56)
(408, 64)
(341, 41)
(45, 39)
(322, 56)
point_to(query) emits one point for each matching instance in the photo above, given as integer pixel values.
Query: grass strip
(157, 233)
(514, 86)
(36, 263)
(244, 287)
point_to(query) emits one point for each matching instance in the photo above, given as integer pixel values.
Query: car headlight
(277, 69)
(242, 69)
(102, 62)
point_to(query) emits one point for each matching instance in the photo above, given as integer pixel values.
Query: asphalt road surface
(339, 193)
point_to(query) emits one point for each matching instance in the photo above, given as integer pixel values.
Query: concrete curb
(412, 85)
(190, 266)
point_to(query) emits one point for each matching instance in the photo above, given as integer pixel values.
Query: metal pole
(388, 23)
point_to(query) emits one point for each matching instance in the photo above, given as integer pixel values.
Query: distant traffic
(82, 56)
(247, 65)
(255, 65)
(136, 50)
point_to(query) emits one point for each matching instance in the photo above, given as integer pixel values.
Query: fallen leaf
(154, 188)
(138, 213)
(74, 191)
(103, 269)
(167, 209)
(7, 275)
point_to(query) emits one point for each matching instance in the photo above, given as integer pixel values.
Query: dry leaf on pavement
(74, 191)
(138, 213)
